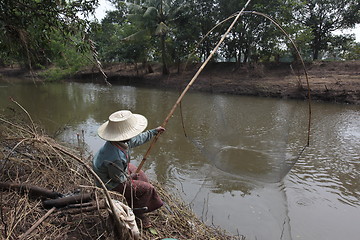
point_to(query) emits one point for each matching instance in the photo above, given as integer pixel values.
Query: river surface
(237, 161)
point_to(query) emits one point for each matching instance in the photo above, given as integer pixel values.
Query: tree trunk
(316, 44)
(150, 69)
(163, 53)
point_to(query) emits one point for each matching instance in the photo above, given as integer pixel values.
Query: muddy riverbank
(337, 82)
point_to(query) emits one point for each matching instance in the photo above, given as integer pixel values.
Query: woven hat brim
(110, 134)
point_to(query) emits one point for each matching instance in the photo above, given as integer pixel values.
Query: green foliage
(156, 21)
(119, 41)
(27, 27)
(353, 53)
(343, 48)
(67, 59)
(324, 17)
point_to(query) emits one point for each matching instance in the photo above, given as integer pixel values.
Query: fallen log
(83, 209)
(65, 201)
(33, 191)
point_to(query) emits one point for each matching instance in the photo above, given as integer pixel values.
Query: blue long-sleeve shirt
(110, 162)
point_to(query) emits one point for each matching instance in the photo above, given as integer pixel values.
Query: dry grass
(27, 156)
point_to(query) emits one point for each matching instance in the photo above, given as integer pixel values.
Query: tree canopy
(39, 32)
(170, 38)
(323, 17)
(29, 26)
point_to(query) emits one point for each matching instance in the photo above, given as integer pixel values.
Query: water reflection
(246, 177)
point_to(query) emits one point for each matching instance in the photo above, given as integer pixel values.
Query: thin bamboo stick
(37, 223)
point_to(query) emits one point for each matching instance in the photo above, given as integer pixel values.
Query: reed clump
(30, 158)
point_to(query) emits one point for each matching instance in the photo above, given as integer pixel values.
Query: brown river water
(235, 160)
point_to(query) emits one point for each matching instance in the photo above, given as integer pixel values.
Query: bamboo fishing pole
(190, 84)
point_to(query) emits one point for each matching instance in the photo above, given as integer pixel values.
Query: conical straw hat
(122, 125)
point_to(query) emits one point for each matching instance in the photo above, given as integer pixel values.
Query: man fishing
(123, 131)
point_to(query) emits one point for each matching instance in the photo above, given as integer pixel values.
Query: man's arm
(145, 136)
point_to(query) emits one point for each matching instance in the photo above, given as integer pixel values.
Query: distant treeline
(39, 33)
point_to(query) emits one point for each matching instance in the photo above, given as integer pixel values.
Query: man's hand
(134, 176)
(160, 129)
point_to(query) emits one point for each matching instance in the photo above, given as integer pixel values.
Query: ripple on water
(326, 184)
(304, 202)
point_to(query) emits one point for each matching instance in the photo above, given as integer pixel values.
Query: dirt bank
(329, 81)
